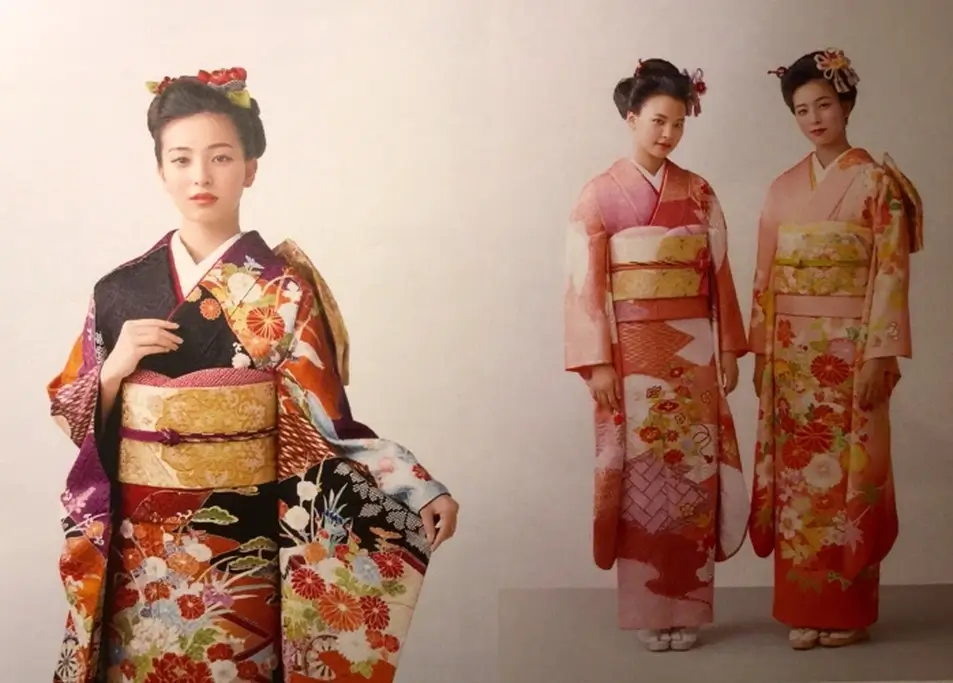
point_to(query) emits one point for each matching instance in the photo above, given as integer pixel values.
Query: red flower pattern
(307, 583)
(156, 590)
(830, 371)
(794, 456)
(248, 670)
(376, 612)
(814, 437)
(173, 668)
(220, 652)
(191, 607)
(785, 333)
(421, 472)
(673, 457)
(390, 564)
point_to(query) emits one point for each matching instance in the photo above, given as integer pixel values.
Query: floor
(570, 636)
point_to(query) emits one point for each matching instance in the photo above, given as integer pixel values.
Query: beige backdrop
(426, 154)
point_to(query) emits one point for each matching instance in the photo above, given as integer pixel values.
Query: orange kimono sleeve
(888, 334)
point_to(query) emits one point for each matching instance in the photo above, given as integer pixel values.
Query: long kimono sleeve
(86, 498)
(319, 397)
(588, 324)
(353, 551)
(731, 330)
(761, 307)
(889, 321)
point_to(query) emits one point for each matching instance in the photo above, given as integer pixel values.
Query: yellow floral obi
(209, 429)
(660, 276)
(817, 261)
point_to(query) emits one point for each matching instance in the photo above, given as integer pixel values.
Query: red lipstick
(204, 198)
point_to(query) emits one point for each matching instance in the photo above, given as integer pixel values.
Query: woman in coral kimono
(226, 519)
(652, 324)
(830, 319)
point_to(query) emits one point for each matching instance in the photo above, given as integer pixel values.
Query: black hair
(802, 72)
(187, 96)
(652, 77)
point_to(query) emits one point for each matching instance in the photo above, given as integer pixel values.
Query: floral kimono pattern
(230, 521)
(649, 290)
(830, 293)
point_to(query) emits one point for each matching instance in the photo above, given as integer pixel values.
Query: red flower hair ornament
(230, 81)
(699, 88)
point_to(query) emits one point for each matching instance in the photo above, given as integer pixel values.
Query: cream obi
(821, 269)
(658, 274)
(209, 429)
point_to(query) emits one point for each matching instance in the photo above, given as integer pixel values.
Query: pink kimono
(650, 291)
(830, 292)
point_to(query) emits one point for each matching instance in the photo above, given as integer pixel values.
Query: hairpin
(835, 66)
(779, 72)
(699, 88)
(639, 67)
(230, 81)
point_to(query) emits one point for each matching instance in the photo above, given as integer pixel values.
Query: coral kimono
(650, 291)
(830, 292)
(229, 521)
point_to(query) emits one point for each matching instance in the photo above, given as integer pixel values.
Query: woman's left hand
(729, 371)
(440, 519)
(872, 383)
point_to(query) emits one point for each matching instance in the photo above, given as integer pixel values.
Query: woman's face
(820, 113)
(659, 126)
(203, 167)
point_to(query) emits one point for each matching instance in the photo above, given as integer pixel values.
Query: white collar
(821, 171)
(189, 272)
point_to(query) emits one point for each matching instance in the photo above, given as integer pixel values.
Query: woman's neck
(650, 163)
(201, 239)
(827, 153)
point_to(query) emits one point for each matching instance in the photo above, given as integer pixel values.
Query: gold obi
(817, 262)
(210, 429)
(659, 277)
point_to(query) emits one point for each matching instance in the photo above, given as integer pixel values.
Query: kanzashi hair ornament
(835, 66)
(638, 68)
(699, 88)
(230, 81)
(779, 72)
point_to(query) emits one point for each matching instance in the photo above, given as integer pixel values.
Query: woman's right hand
(138, 339)
(604, 387)
(758, 376)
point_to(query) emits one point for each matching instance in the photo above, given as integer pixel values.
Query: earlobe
(251, 170)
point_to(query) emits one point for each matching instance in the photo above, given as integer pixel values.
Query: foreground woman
(830, 319)
(226, 518)
(653, 327)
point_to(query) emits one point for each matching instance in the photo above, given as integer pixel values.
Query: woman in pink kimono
(652, 325)
(830, 319)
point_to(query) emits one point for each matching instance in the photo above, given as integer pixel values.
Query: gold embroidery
(656, 283)
(221, 411)
(682, 248)
(823, 259)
